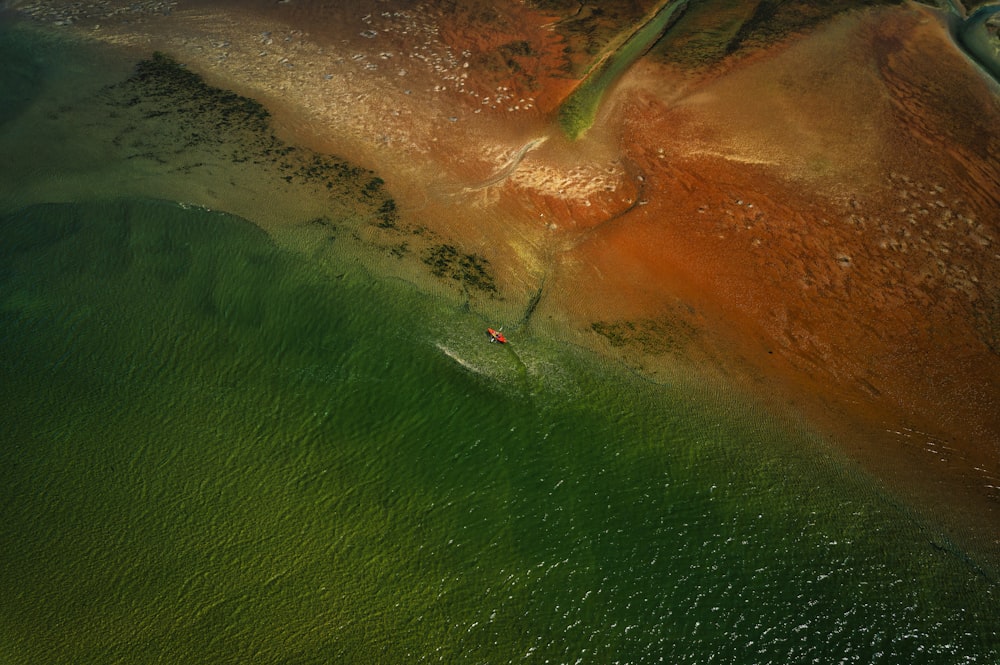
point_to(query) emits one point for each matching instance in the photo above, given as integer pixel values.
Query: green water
(216, 449)
(978, 40)
(578, 112)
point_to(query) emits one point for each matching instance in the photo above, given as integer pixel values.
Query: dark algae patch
(167, 114)
(512, 59)
(709, 32)
(472, 271)
(161, 78)
(655, 336)
(588, 27)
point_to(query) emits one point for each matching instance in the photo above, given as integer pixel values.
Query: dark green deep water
(214, 449)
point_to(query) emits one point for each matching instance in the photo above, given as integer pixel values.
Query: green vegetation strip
(577, 113)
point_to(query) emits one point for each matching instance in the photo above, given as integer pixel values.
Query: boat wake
(514, 372)
(458, 359)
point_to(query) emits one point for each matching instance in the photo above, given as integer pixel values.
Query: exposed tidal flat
(222, 445)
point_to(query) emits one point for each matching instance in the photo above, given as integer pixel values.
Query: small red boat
(496, 336)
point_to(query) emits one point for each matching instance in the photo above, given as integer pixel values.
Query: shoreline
(970, 34)
(564, 252)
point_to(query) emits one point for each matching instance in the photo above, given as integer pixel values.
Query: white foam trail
(461, 361)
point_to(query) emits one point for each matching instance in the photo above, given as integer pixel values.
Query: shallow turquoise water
(216, 450)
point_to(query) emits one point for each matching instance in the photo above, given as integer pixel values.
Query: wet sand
(815, 222)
